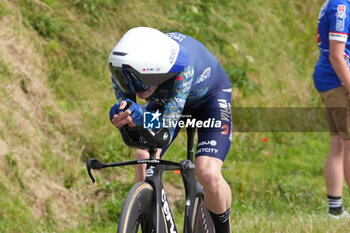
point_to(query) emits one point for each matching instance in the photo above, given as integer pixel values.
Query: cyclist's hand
(137, 111)
(132, 116)
(114, 110)
(119, 117)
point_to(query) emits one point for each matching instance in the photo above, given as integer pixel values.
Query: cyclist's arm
(173, 109)
(120, 95)
(336, 57)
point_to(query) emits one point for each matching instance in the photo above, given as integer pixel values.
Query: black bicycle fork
(154, 177)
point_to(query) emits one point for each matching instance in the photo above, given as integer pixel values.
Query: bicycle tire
(138, 214)
(201, 221)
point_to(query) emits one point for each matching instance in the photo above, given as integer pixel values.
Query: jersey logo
(179, 78)
(340, 18)
(204, 75)
(225, 129)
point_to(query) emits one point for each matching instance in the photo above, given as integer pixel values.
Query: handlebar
(183, 165)
(95, 164)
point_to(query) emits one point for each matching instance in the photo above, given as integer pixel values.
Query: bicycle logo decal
(150, 171)
(169, 217)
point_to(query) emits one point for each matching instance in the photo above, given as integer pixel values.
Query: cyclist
(177, 75)
(332, 80)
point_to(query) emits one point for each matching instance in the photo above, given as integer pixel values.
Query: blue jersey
(202, 78)
(333, 24)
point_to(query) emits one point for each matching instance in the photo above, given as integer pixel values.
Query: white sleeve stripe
(338, 37)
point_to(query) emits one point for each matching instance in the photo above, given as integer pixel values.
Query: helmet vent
(119, 53)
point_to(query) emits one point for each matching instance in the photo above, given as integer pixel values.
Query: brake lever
(93, 164)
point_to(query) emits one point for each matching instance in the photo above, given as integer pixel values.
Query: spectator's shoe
(343, 215)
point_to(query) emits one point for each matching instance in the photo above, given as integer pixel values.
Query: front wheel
(138, 214)
(202, 221)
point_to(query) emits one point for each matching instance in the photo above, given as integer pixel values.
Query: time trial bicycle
(146, 208)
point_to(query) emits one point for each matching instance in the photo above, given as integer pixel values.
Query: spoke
(146, 224)
(136, 227)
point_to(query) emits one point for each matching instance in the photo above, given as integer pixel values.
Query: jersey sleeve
(173, 109)
(339, 21)
(120, 95)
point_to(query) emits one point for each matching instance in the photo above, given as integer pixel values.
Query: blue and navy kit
(333, 24)
(202, 91)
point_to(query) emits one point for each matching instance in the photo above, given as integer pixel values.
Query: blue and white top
(333, 24)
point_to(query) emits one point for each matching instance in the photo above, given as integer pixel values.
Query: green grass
(268, 49)
(15, 214)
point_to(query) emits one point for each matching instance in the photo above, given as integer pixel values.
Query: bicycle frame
(154, 172)
(192, 189)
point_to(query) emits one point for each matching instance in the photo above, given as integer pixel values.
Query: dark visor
(127, 79)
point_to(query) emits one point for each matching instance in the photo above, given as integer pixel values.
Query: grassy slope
(55, 95)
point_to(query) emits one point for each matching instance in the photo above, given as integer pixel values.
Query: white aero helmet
(146, 57)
